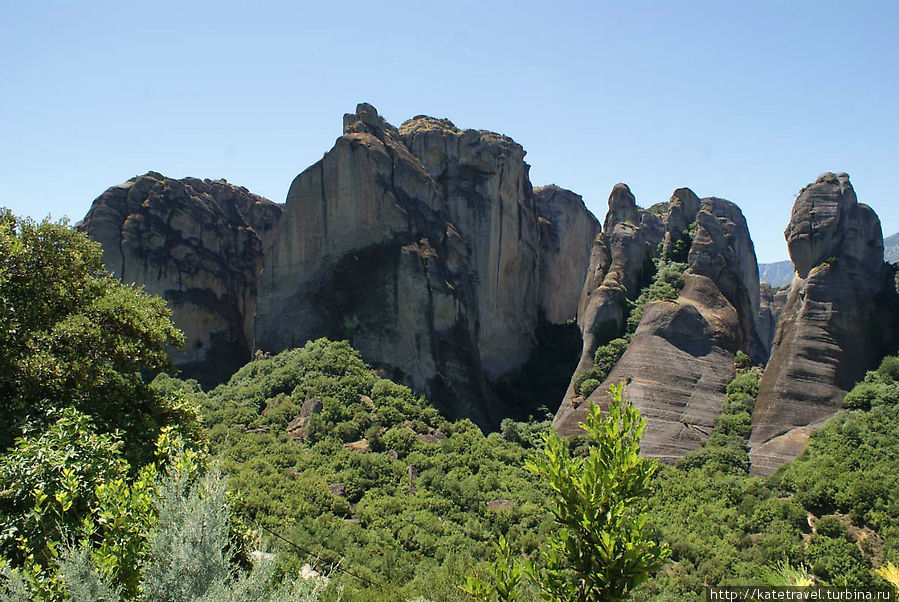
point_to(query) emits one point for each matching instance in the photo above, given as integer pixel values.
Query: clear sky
(744, 100)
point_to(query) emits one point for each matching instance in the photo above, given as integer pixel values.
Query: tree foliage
(602, 549)
(73, 336)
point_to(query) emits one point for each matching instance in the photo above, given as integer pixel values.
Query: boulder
(837, 323)
(199, 244)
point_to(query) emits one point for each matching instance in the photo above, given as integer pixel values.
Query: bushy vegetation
(665, 285)
(72, 336)
(601, 549)
(110, 486)
(833, 510)
(375, 479)
(82, 430)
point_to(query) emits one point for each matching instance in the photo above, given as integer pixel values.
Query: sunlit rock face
(199, 244)
(680, 357)
(836, 324)
(423, 246)
(567, 233)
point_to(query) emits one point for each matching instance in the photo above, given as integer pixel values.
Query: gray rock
(567, 232)
(620, 260)
(199, 244)
(422, 246)
(680, 358)
(837, 322)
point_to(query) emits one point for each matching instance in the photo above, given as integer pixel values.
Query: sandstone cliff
(836, 323)
(422, 245)
(680, 356)
(771, 304)
(620, 262)
(198, 244)
(567, 233)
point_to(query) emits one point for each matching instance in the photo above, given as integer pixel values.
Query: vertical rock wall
(422, 245)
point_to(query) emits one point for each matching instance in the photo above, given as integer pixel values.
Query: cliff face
(771, 305)
(199, 245)
(680, 357)
(567, 233)
(836, 323)
(422, 245)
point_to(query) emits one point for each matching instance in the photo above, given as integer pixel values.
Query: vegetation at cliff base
(116, 487)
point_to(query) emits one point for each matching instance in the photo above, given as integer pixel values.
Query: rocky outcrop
(680, 357)
(836, 324)
(771, 304)
(199, 245)
(567, 233)
(620, 262)
(421, 245)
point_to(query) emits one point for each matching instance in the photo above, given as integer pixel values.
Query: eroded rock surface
(620, 262)
(680, 357)
(836, 324)
(422, 246)
(567, 233)
(199, 245)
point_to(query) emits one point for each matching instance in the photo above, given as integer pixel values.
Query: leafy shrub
(889, 369)
(607, 356)
(830, 526)
(742, 361)
(73, 336)
(665, 286)
(601, 550)
(588, 386)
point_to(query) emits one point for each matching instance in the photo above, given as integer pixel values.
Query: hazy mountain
(891, 248)
(778, 273)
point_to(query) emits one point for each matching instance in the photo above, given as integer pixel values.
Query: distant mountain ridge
(891, 248)
(780, 273)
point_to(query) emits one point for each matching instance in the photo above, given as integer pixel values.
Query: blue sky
(747, 101)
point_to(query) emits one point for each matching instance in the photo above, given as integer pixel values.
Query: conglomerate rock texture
(837, 323)
(681, 355)
(422, 246)
(199, 245)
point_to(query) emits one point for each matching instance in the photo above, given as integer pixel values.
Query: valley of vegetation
(120, 481)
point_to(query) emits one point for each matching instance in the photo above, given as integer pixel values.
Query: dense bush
(665, 286)
(73, 336)
(427, 502)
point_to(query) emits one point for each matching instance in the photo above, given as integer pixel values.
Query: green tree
(602, 549)
(73, 336)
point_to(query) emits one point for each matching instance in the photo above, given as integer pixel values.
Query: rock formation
(199, 245)
(422, 246)
(836, 323)
(771, 304)
(680, 357)
(620, 262)
(567, 233)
